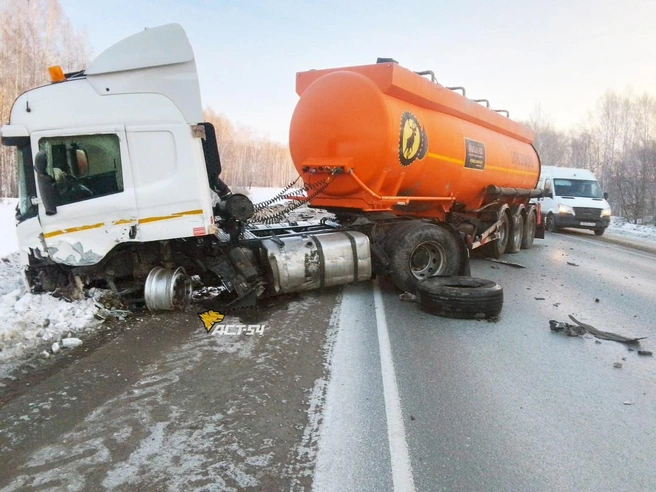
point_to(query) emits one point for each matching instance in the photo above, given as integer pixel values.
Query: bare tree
(34, 35)
(247, 160)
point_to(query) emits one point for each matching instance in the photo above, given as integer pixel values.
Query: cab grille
(587, 213)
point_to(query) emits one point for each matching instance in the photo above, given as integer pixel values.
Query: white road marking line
(400, 457)
(625, 249)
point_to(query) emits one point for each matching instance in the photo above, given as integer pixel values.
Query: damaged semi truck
(119, 181)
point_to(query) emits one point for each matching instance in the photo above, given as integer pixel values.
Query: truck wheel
(460, 297)
(530, 224)
(550, 223)
(516, 233)
(497, 248)
(421, 252)
(599, 232)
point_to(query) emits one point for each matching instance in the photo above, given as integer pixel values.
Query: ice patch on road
(188, 455)
(306, 449)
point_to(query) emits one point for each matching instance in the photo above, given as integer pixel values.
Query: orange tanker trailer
(381, 142)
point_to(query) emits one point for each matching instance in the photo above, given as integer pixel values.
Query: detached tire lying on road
(460, 297)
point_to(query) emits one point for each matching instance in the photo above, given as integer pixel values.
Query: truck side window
(84, 166)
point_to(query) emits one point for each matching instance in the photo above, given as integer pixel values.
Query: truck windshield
(583, 188)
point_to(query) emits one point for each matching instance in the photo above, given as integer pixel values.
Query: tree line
(617, 142)
(36, 34)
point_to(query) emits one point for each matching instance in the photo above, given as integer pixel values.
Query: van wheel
(599, 232)
(420, 251)
(497, 248)
(516, 233)
(550, 223)
(530, 224)
(460, 297)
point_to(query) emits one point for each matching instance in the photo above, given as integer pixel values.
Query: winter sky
(563, 54)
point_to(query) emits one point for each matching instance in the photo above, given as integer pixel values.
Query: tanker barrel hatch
(487, 103)
(502, 111)
(458, 88)
(429, 72)
(386, 60)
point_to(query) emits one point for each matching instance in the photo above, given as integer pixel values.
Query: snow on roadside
(8, 239)
(31, 323)
(622, 227)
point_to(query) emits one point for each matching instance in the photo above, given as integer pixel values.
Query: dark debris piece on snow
(647, 353)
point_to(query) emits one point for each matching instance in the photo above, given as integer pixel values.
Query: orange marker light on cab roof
(56, 74)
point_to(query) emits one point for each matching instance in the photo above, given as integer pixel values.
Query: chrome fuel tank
(314, 261)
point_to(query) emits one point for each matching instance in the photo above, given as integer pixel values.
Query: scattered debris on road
(617, 365)
(581, 328)
(540, 299)
(509, 263)
(628, 403)
(571, 263)
(407, 296)
(647, 353)
(71, 342)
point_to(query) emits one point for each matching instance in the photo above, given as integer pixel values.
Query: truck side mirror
(46, 183)
(605, 195)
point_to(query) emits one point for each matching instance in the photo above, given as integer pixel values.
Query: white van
(572, 198)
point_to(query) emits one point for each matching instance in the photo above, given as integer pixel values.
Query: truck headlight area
(565, 209)
(605, 212)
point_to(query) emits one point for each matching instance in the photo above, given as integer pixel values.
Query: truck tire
(530, 224)
(418, 251)
(516, 233)
(460, 297)
(599, 232)
(550, 223)
(497, 248)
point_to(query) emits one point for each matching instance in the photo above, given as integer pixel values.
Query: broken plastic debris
(45, 354)
(55, 348)
(617, 365)
(71, 342)
(407, 296)
(582, 328)
(647, 353)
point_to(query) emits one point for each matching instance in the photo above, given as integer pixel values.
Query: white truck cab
(573, 198)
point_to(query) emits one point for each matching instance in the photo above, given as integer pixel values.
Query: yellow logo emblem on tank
(413, 143)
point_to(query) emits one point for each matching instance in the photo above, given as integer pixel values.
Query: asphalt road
(352, 389)
(507, 405)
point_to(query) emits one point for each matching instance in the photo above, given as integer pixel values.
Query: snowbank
(30, 323)
(621, 227)
(8, 239)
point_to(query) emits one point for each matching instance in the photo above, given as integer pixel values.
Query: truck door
(96, 204)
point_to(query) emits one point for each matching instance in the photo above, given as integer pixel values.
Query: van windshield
(577, 188)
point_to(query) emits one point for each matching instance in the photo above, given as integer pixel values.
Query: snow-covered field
(32, 324)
